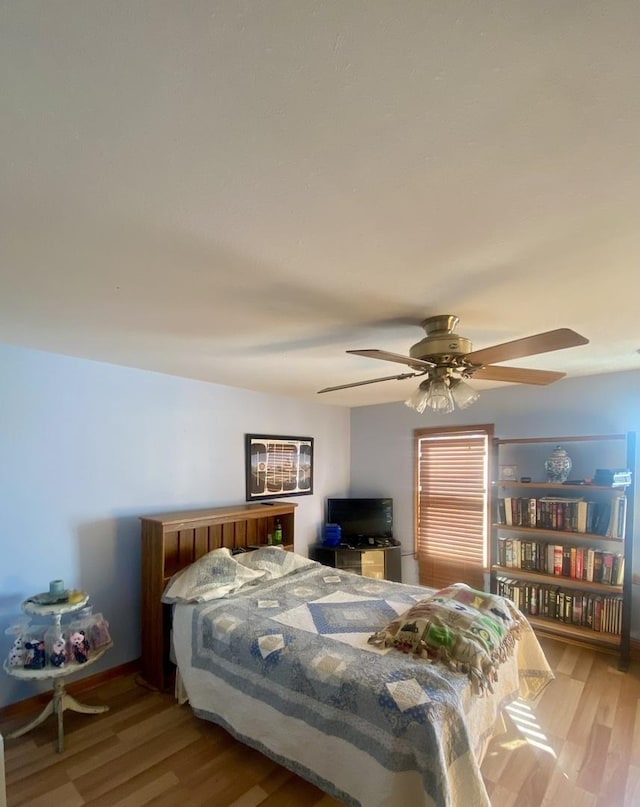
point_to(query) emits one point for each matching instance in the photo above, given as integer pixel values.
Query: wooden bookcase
(570, 603)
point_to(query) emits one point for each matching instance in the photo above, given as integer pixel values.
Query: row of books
(601, 613)
(580, 563)
(605, 518)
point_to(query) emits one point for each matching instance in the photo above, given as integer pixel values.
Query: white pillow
(209, 578)
(273, 561)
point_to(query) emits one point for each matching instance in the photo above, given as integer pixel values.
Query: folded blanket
(470, 631)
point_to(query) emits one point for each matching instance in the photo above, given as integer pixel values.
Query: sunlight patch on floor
(525, 720)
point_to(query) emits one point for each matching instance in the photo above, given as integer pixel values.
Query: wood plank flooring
(579, 746)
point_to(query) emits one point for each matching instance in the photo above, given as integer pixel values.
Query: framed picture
(278, 466)
(508, 473)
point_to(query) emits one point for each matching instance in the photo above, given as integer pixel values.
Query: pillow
(211, 577)
(471, 631)
(273, 561)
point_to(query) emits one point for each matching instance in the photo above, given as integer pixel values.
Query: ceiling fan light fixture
(463, 394)
(433, 393)
(418, 400)
(439, 397)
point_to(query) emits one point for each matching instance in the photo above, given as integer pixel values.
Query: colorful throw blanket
(470, 631)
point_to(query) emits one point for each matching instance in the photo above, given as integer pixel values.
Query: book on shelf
(593, 610)
(581, 518)
(562, 560)
(597, 613)
(564, 514)
(615, 528)
(557, 559)
(617, 570)
(573, 561)
(601, 518)
(597, 566)
(508, 513)
(502, 510)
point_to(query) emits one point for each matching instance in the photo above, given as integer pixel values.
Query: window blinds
(451, 512)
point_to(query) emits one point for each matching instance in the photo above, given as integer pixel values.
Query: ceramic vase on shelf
(558, 465)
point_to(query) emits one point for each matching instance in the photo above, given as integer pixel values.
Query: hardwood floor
(579, 746)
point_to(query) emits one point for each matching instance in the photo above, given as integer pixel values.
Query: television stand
(382, 562)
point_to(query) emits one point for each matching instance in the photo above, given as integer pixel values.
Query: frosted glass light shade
(443, 395)
(418, 400)
(463, 394)
(439, 396)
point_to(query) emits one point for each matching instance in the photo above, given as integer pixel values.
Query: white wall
(86, 448)
(382, 439)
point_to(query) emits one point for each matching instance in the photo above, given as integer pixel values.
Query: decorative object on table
(94, 626)
(17, 652)
(19, 631)
(35, 656)
(558, 465)
(332, 535)
(56, 587)
(100, 636)
(47, 598)
(58, 655)
(508, 473)
(79, 645)
(278, 466)
(55, 645)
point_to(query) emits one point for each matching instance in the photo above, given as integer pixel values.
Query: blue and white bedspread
(285, 666)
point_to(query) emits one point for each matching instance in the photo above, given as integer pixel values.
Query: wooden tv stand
(380, 562)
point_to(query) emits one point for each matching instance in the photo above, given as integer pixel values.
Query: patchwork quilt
(286, 666)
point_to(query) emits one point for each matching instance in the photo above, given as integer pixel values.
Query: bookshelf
(563, 551)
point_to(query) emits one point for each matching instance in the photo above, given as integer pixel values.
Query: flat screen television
(362, 518)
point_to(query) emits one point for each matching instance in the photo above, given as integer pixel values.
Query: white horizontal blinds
(451, 533)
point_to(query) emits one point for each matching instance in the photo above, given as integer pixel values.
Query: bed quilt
(369, 725)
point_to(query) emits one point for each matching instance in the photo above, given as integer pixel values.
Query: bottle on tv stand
(277, 533)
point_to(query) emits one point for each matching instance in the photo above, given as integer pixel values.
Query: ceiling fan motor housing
(441, 345)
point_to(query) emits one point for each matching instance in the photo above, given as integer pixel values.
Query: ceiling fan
(448, 359)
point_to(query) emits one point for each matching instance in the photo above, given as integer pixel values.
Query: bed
(301, 662)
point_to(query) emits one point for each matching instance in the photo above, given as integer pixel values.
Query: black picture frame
(278, 466)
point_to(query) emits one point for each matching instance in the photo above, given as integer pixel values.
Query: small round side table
(61, 699)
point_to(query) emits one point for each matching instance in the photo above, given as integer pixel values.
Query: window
(452, 521)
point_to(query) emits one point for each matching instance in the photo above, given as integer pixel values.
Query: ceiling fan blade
(370, 381)
(417, 364)
(529, 346)
(517, 375)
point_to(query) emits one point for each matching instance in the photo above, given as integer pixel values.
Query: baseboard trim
(75, 688)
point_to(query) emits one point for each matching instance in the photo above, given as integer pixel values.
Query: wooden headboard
(171, 541)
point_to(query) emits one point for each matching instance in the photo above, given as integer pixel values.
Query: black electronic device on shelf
(363, 520)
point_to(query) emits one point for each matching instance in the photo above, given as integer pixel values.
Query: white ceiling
(240, 191)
